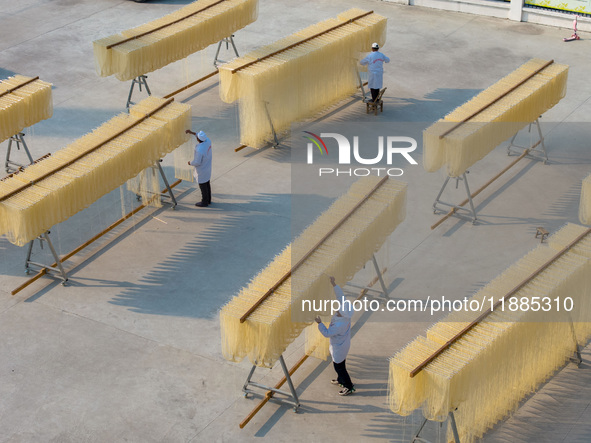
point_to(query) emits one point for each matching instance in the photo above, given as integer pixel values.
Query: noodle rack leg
(140, 80)
(292, 396)
(455, 208)
(454, 429)
(533, 147)
(58, 270)
(227, 41)
(9, 164)
(379, 277)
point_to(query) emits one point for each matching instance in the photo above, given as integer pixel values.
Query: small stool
(541, 231)
(373, 105)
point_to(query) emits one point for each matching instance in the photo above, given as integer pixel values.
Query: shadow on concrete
(160, 290)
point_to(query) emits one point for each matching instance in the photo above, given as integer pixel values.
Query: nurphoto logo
(387, 148)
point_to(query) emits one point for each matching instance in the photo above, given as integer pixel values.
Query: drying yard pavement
(129, 349)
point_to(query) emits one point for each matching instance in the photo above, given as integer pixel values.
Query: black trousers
(205, 193)
(342, 374)
(374, 94)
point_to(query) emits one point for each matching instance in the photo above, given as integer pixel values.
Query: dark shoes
(201, 205)
(346, 391)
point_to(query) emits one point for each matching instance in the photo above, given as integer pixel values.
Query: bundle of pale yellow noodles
(267, 332)
(82, 172)
(585, 204)
(300, 81)
(172, 37)
(23, 106)
(505, 357)
(473, 140)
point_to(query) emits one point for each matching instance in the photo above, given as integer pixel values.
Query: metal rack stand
(454, 429)
(57, 269)
(140, 80)
(19, 139)
(292, 396)
(168, 191)
(361, 86)
(276, 144)
(384, 291)
(227, 41)
(533, 147)
(456, 208)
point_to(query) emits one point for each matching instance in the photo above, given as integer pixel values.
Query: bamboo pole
(11, 90)
(484, 186)
(164, 26)
(78, 157)
(310, 252)
(190, 85)
(513, 88)
(43, 271)
(512, 292)
(348, 22)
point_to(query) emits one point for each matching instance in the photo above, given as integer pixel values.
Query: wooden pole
(78, 157)
(512, 292)
(348, 22)
(43, 271)
(310, 252)
(240, 148)
(164, 26)
(269, 394)
(22, 168)
(513, 88)
(14, 88)
(190, 85)
(484, 186)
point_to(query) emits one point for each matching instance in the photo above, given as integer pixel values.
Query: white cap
(375, 46)
(202, 136)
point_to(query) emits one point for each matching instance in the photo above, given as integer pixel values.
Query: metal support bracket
(140, 80)
(276, 144)
(168, 189)
(228, 41)
(454, 429)
(292, 396)
(12, 166)
(532, 149)
(576, 358)
(384, 291)
(361, 86)
(58, 269)
(438, 202)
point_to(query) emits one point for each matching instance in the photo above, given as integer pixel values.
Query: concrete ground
(130, 349)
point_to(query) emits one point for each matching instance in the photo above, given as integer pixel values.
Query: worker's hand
(332, 282)
(189, 163)
(317, 319)
(188, 131)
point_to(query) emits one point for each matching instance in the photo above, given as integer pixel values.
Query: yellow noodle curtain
(52, 200)
(487, 372)
(473, 140)
(301, 81)
(25, 106)
(267, 332)
(171, 43)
